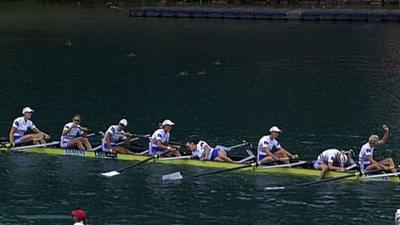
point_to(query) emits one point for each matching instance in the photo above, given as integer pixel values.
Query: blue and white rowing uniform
(265, 142)
(213, 153)
(74, 131)
(116, 136)
(158, 135)
(21, 127)
(200, 149)
(326, 157)
(366, 150)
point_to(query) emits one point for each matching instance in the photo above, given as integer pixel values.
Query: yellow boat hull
(295, 171)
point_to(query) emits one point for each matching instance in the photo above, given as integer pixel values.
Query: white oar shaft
(381, 175)
(351, 167)
(120, 143)
(246, 159)
(237, 146)
(35, 146)
(175, 158)
(231, 147)
(282, 165)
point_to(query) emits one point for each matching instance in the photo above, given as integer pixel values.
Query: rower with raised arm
(269, 150)
(115, 134)
(366, 160)
(71, 131)
(332, 159)
(203, 151)
(159, 141)
(18, 133)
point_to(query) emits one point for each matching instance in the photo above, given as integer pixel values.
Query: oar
(122, 142)
(119, 171)
(34, 146)
(177, 143)
(227, 149)
(142, 136)
(44, 145)
(322, 181)
(178, 175)
(175, 158)
(95, 131)
(381, 176)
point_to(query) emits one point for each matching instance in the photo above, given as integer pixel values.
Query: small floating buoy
(202, 73)
(68, 43)
(184, 73)
(132, 55)
(217, 63)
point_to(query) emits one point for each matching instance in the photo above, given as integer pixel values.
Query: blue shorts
(106, 148)
(317, 163)
(214, 154)
(260, 157)
(364, 165)
(155, 150)
(17, 139)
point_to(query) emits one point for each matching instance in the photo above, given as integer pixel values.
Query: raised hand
(385, 127)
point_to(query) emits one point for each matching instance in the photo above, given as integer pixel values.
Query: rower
(20, 127)
(159, 141)
(366, 160)
(115, 134)
(74, 135)
(269, 143)
(79, 217)
(203, 151)
(332, 159)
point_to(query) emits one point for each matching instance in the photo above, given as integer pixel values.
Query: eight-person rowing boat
(271, 157)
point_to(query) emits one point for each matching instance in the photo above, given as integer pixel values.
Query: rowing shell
(293, 170)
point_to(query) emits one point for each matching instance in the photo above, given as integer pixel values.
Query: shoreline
(282, 14)
(292, 4)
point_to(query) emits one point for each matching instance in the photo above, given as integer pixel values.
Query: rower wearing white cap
(268, 144)
(159, 142)
(20, 127)
(203, 151)
(332, 159)
(113, 135)
(366, 160)
(71, 131)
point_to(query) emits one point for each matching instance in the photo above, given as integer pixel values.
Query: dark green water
(325, 84)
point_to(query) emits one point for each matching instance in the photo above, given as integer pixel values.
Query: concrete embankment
(362, 15)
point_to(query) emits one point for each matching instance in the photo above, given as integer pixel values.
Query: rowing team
(269, 150)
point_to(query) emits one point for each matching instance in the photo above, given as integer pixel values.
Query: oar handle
(141, 136)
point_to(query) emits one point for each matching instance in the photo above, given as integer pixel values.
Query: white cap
(123, 122)
(274, 129)
(167, 122)
(342, 159)
(27, 110)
